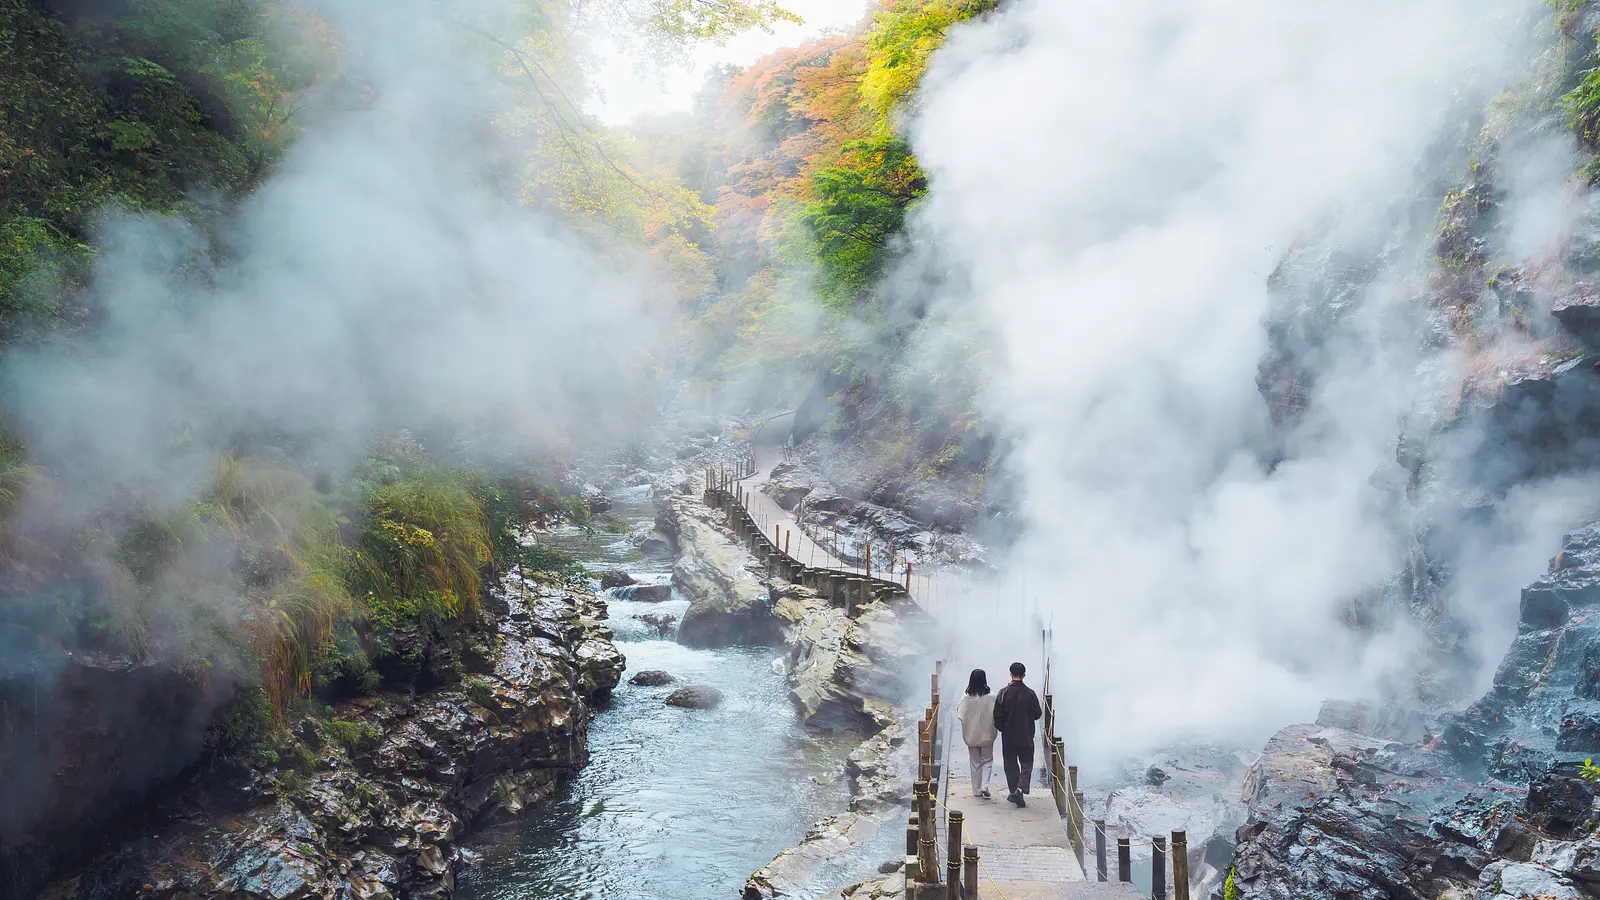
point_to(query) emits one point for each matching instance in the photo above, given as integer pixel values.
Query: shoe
(1016, 798)
(984, 794)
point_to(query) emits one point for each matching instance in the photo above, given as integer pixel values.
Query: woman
(976, 713)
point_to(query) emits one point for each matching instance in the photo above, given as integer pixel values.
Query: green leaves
(856, 207)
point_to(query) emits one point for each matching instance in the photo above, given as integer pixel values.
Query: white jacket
(976, 715)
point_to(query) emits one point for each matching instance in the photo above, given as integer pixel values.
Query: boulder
(847, 673)
(662, 622)
(1560, 801)
(614, 578)
(796, 871)
(728, 603)
(1578, 311)
(695, 696)
(1524, 881)
(879, 770)
(644, 593)
(651, 678)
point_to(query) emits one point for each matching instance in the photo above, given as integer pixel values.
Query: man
(1016, 708)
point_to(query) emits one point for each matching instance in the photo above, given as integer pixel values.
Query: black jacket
(1016, 708)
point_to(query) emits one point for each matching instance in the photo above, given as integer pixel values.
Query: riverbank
(375, 793)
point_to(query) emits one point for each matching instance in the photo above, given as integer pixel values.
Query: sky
(625, 92)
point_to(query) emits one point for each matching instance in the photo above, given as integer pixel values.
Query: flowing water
(675, 804)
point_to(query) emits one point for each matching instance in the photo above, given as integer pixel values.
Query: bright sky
(627, 92)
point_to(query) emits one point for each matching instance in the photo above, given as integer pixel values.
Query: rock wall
(1492, 802)
(389, 784)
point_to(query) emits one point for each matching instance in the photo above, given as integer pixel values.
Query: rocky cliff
(1495, 801)
(379, 789)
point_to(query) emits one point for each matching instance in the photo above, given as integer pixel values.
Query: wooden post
(1074, 816)
(868, 568)
(969, 856)
(1058, 781)
(928, 839)
(1180, 865)
(911, 834)
(1124, 860)
(1077, 800)
(1158, 868)
(786, 533)
(953, 853)
(1100, 849)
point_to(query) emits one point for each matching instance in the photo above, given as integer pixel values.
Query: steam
(385, 276)
(1117, 182)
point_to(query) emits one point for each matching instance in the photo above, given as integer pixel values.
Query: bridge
(957, 845)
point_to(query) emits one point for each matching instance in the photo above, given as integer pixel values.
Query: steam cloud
(1114, 182)
(385, 276)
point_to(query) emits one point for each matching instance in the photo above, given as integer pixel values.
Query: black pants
(1018, 759)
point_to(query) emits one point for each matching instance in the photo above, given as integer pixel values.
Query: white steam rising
(384, 276)
(1117, 180)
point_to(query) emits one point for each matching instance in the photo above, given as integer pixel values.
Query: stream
(675, 804)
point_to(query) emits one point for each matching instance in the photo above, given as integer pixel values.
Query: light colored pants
(982, 758)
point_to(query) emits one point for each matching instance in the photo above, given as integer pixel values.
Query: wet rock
(651, 678)
(1578, 311)
(795, 870)
(595, 499)
(879, 770)
(663, 623)
(844, 671)
(1560, 801)
(655, 542)
(644, 593)
(1154, 777)
(616, 578)
(728, 603)
(695, 696)
(383, 822)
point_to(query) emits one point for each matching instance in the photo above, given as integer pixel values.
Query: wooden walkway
(1024, 854)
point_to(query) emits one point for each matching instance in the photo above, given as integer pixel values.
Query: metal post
(1158, 868)
(1100, 849)
(953, 853)
(1124, 860)
(908, 576)
(969, 856)
(1180, 865)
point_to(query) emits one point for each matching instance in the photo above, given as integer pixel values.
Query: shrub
(420, 551)
(353, 736)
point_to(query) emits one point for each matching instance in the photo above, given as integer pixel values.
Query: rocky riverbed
(386, 786)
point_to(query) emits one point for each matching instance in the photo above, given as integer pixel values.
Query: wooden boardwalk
(1024, 854)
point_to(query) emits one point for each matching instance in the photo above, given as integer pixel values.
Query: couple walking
(1010, 714)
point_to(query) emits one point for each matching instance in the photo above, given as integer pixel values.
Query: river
(675, 804)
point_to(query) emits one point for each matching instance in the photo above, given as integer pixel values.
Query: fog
(1116, 182)
(385, 275)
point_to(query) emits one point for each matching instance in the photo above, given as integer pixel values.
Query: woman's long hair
(978, 684)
